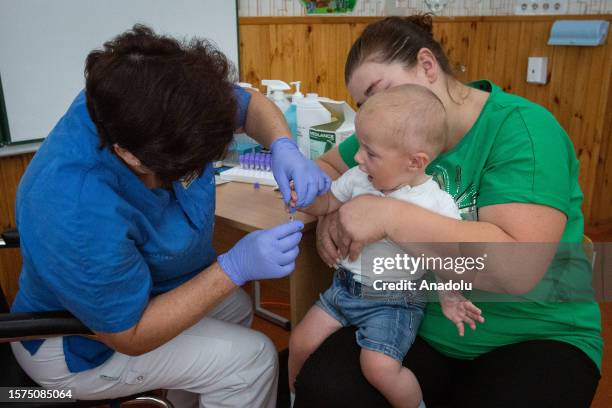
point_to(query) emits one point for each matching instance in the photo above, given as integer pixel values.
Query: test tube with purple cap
(268, 162)
(250, 161)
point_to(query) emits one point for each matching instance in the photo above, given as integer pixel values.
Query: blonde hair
(411, 117)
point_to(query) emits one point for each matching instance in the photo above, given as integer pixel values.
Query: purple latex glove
(289, 164)
(263, 254)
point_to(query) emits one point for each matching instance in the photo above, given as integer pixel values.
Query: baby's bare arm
(322, 205)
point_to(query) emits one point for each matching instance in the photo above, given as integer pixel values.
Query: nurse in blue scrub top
(116, 214)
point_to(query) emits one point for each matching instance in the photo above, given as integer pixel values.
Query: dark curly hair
(170, 103)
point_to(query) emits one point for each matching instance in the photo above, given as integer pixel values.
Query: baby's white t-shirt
(428, 195)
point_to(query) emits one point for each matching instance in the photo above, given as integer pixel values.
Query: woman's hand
(289, 164)
(263, 254)
(328, 238)
(362, 221)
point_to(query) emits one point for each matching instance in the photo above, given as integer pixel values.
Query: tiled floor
(279, 336)
(276, 299)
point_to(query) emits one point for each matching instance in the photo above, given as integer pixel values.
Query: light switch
(537, 70)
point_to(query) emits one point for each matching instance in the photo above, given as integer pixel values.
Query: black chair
(39, 325)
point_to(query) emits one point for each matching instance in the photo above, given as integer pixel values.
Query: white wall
(43, 45)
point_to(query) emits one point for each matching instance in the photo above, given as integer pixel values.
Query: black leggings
(538, 374)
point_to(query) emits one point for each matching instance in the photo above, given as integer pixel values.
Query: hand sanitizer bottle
(291, 113)
(309, 113)
(276, 93)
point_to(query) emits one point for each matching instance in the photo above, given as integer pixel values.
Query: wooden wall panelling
(6, 187)
(301, 67)
(328, 62)
(500, 57)
(349, 33)
(474, 48)
(519, 62)
(582, 123)
(254, 53)
(311, 53)
(342, 41)
(557, 95)
(523, 45)
(287, 48)
(477, 50)
(487, 61)
(10, 266)
(323, 59)
(495, 48)
(455, 39)
(511, 66)
(601, 211)
(11, 170)
(558, 98)
(355, 30)
(538, 47)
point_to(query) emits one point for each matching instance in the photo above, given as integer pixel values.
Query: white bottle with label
(309, 113)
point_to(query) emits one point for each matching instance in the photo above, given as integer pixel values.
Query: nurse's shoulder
(54, 179)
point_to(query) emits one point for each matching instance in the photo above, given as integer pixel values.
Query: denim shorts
(387, 320)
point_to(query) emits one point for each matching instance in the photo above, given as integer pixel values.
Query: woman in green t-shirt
(514, 174)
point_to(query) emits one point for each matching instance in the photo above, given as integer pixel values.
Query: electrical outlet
(436, 6)
(537, 70)
(540, 7)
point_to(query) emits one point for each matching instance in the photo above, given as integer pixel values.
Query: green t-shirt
(515, 152)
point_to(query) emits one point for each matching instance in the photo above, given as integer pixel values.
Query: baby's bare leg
(397, 383)
(307, 336)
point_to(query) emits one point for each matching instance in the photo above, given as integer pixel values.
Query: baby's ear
(419, 161)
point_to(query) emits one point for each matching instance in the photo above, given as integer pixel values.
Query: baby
(400, 131)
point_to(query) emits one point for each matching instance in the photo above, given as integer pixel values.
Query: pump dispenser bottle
(291, 113)
(276, 93)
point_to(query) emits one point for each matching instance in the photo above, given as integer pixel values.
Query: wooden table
(240, 209)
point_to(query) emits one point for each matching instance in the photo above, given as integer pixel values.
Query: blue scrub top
(97, 242)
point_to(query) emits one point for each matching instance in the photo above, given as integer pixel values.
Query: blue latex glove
(263, 254)
(289, 164)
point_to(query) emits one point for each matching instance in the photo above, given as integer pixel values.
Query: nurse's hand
(289, 164)
(263, 254)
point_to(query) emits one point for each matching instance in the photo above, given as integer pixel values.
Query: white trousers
(219, 362)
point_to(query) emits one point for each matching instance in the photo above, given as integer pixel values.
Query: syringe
(290, 209)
